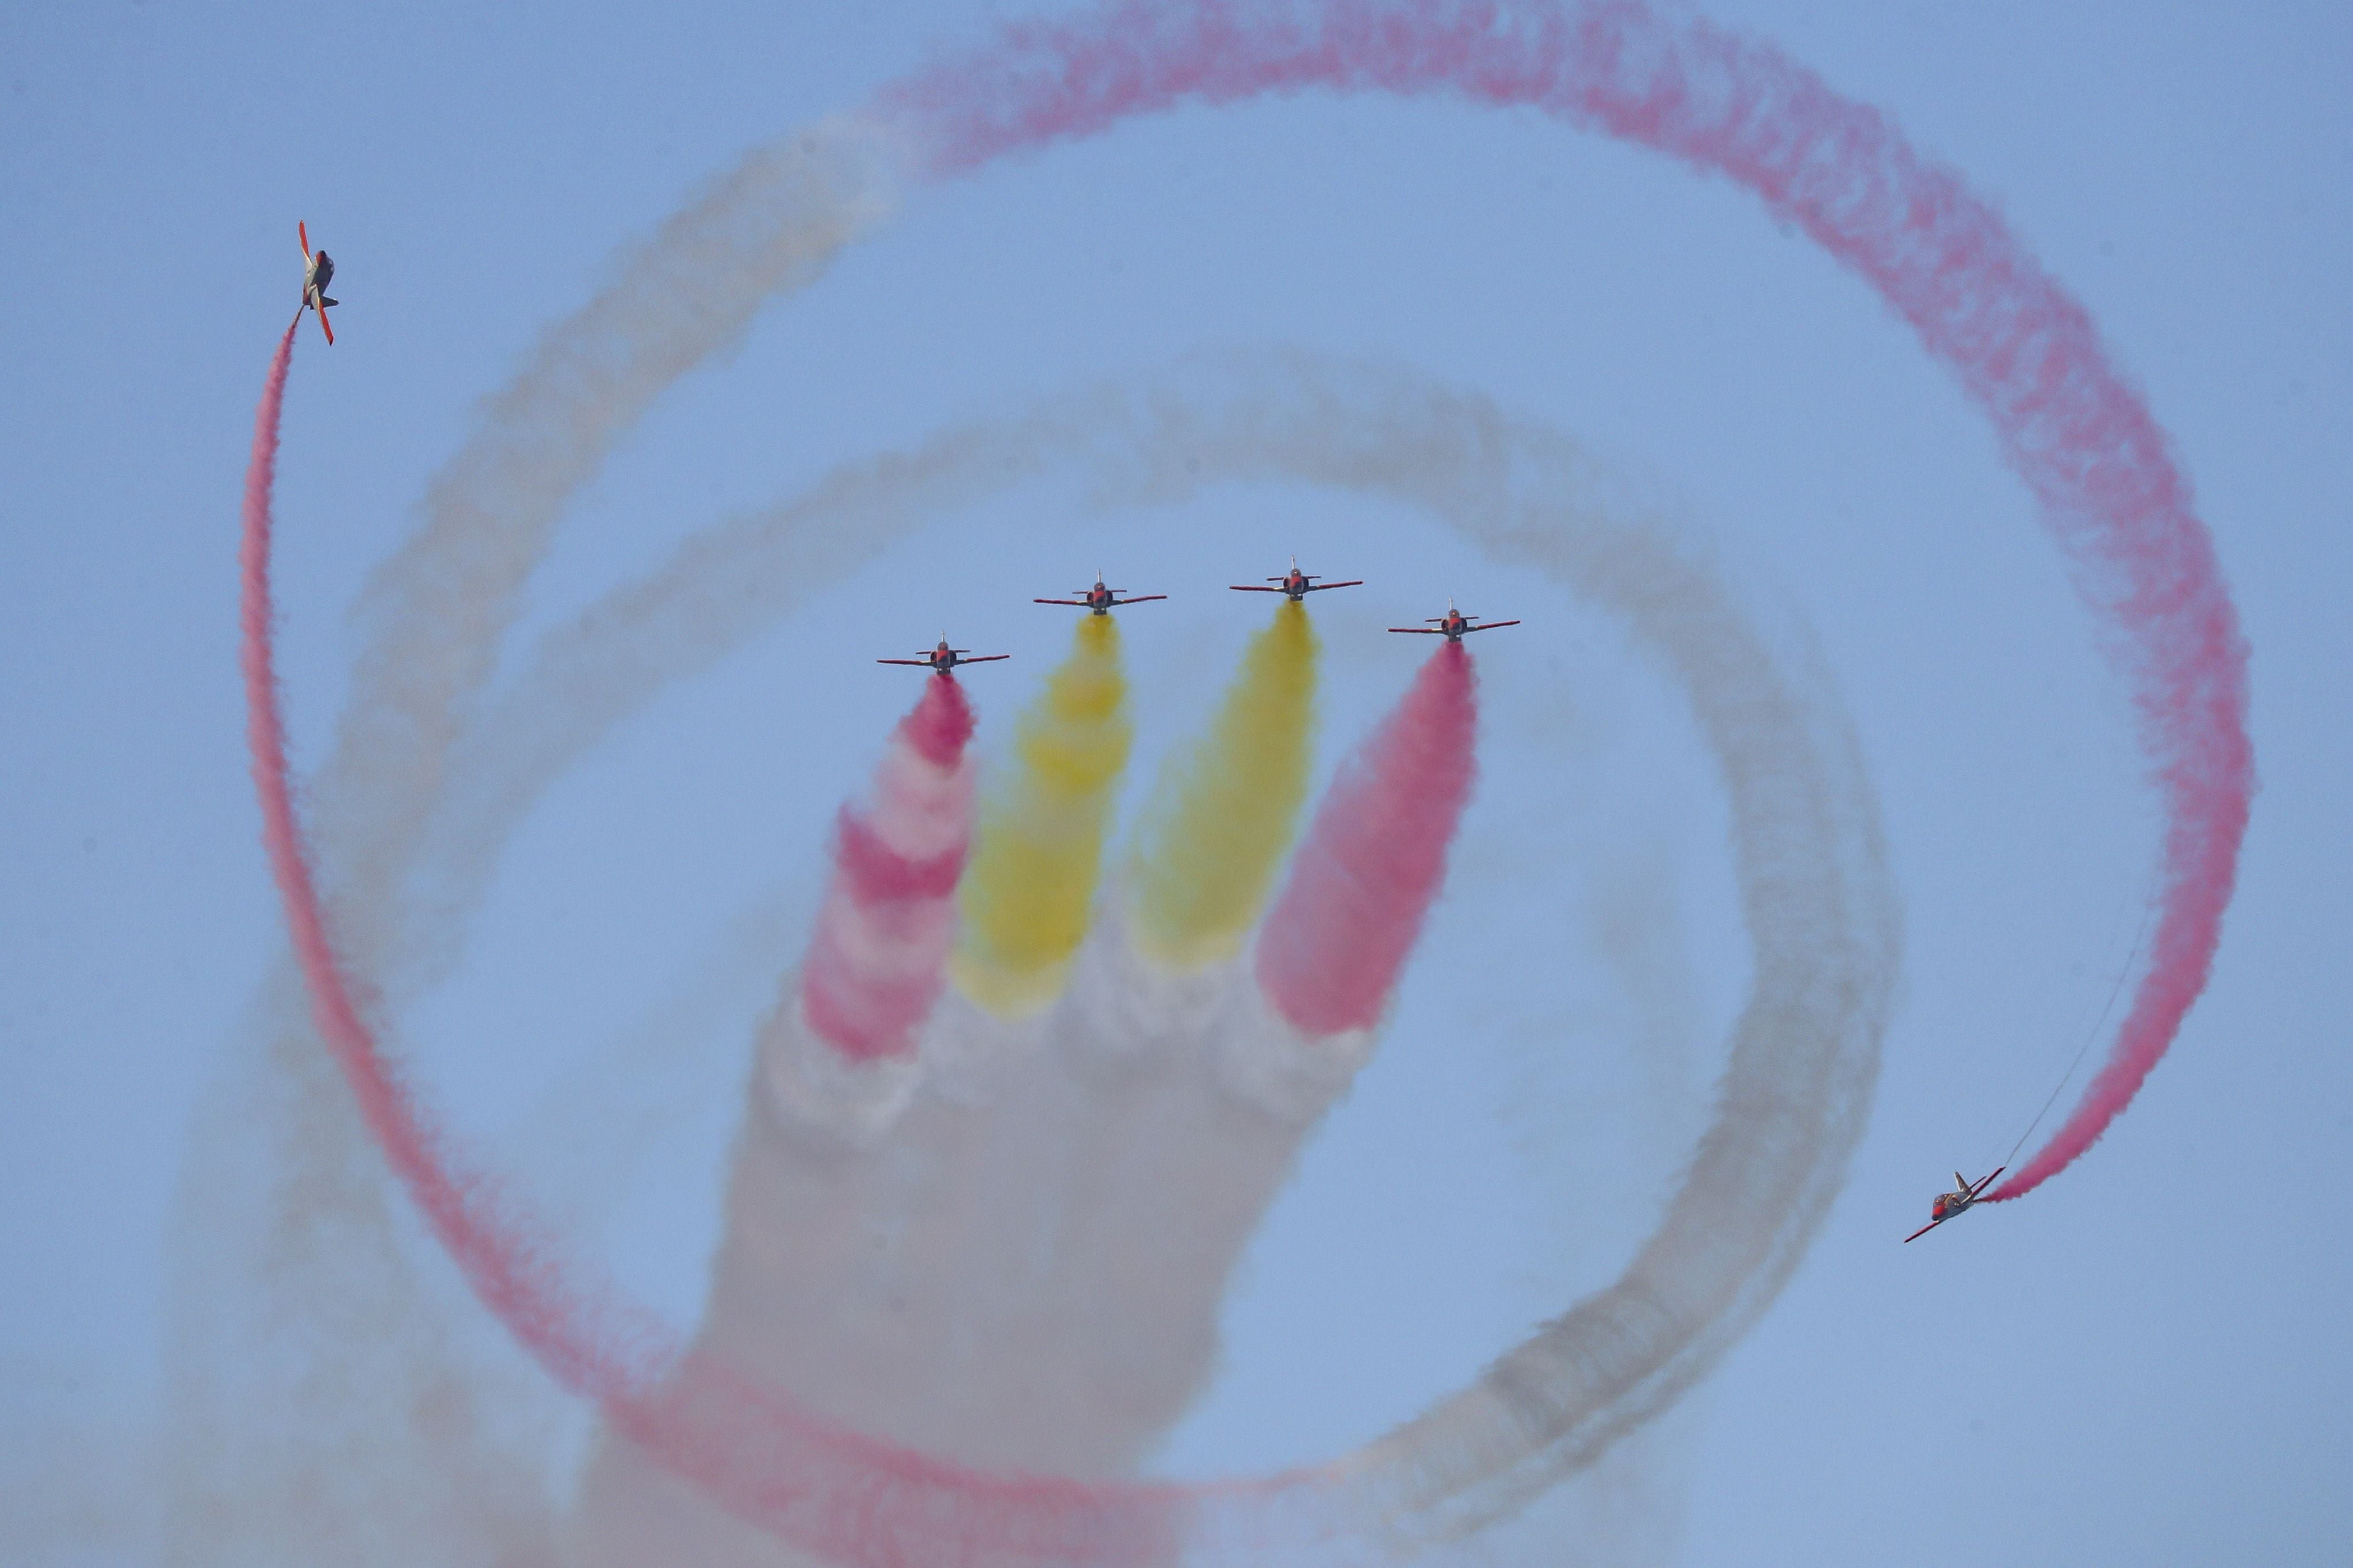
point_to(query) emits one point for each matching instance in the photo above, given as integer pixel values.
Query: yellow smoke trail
(1221, 826)
(1028, 895)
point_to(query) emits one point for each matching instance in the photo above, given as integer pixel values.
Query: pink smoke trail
(515, 1276)
(1373, 857)
(853, 1499)
(2081, 437)
(878, 960)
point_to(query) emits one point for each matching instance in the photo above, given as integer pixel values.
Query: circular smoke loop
(428, 775)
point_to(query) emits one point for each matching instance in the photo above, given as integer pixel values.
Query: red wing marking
(1924, 1230)
(326, 327)
(1490, 625)
(302, 233)
(1081, 603)
(986, 658)
(1419, 631)
(1253, 588)
(924, 663)
(1981, 1186)
(1319, 587)
(1143, 598)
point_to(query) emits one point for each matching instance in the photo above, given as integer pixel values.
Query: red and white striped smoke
(877, 963)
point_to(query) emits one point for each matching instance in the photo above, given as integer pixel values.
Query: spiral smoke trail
(409, 778)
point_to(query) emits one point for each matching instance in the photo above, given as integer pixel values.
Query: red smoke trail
(1373, 857)
(878, 961)
(2081, 439)
(515, 1277)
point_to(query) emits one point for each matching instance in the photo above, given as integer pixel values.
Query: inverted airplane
(1947, 1205)
(942, 659)
(1100, 600)
(1296, 584)
(318, 271)
(1453, 624)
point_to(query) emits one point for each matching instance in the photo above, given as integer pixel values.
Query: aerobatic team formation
(1293, 584)
(1017, 1114)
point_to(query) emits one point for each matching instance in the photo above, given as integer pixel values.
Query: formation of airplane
(942, 659)
(1947, 1205)
(318, 271)
(1295, 583)
(1453, 626)
(1100, 600)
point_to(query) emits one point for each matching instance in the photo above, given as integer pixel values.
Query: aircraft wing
(1319, 587)
(1140, 599)
(984, 659)
(920, 663)
(1924, 1230)
(1080, 603)
(1253, 588)
(1490, 625)
(302, 237)
(1419, 631)
(1981, 1186)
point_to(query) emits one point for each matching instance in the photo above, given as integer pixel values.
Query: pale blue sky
(2143, 1363)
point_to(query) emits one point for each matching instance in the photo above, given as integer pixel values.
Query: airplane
(1453, 624)
(1947, 1205)
(1298, 584)
(318, 271)
(943, 658)
(1099, 599)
